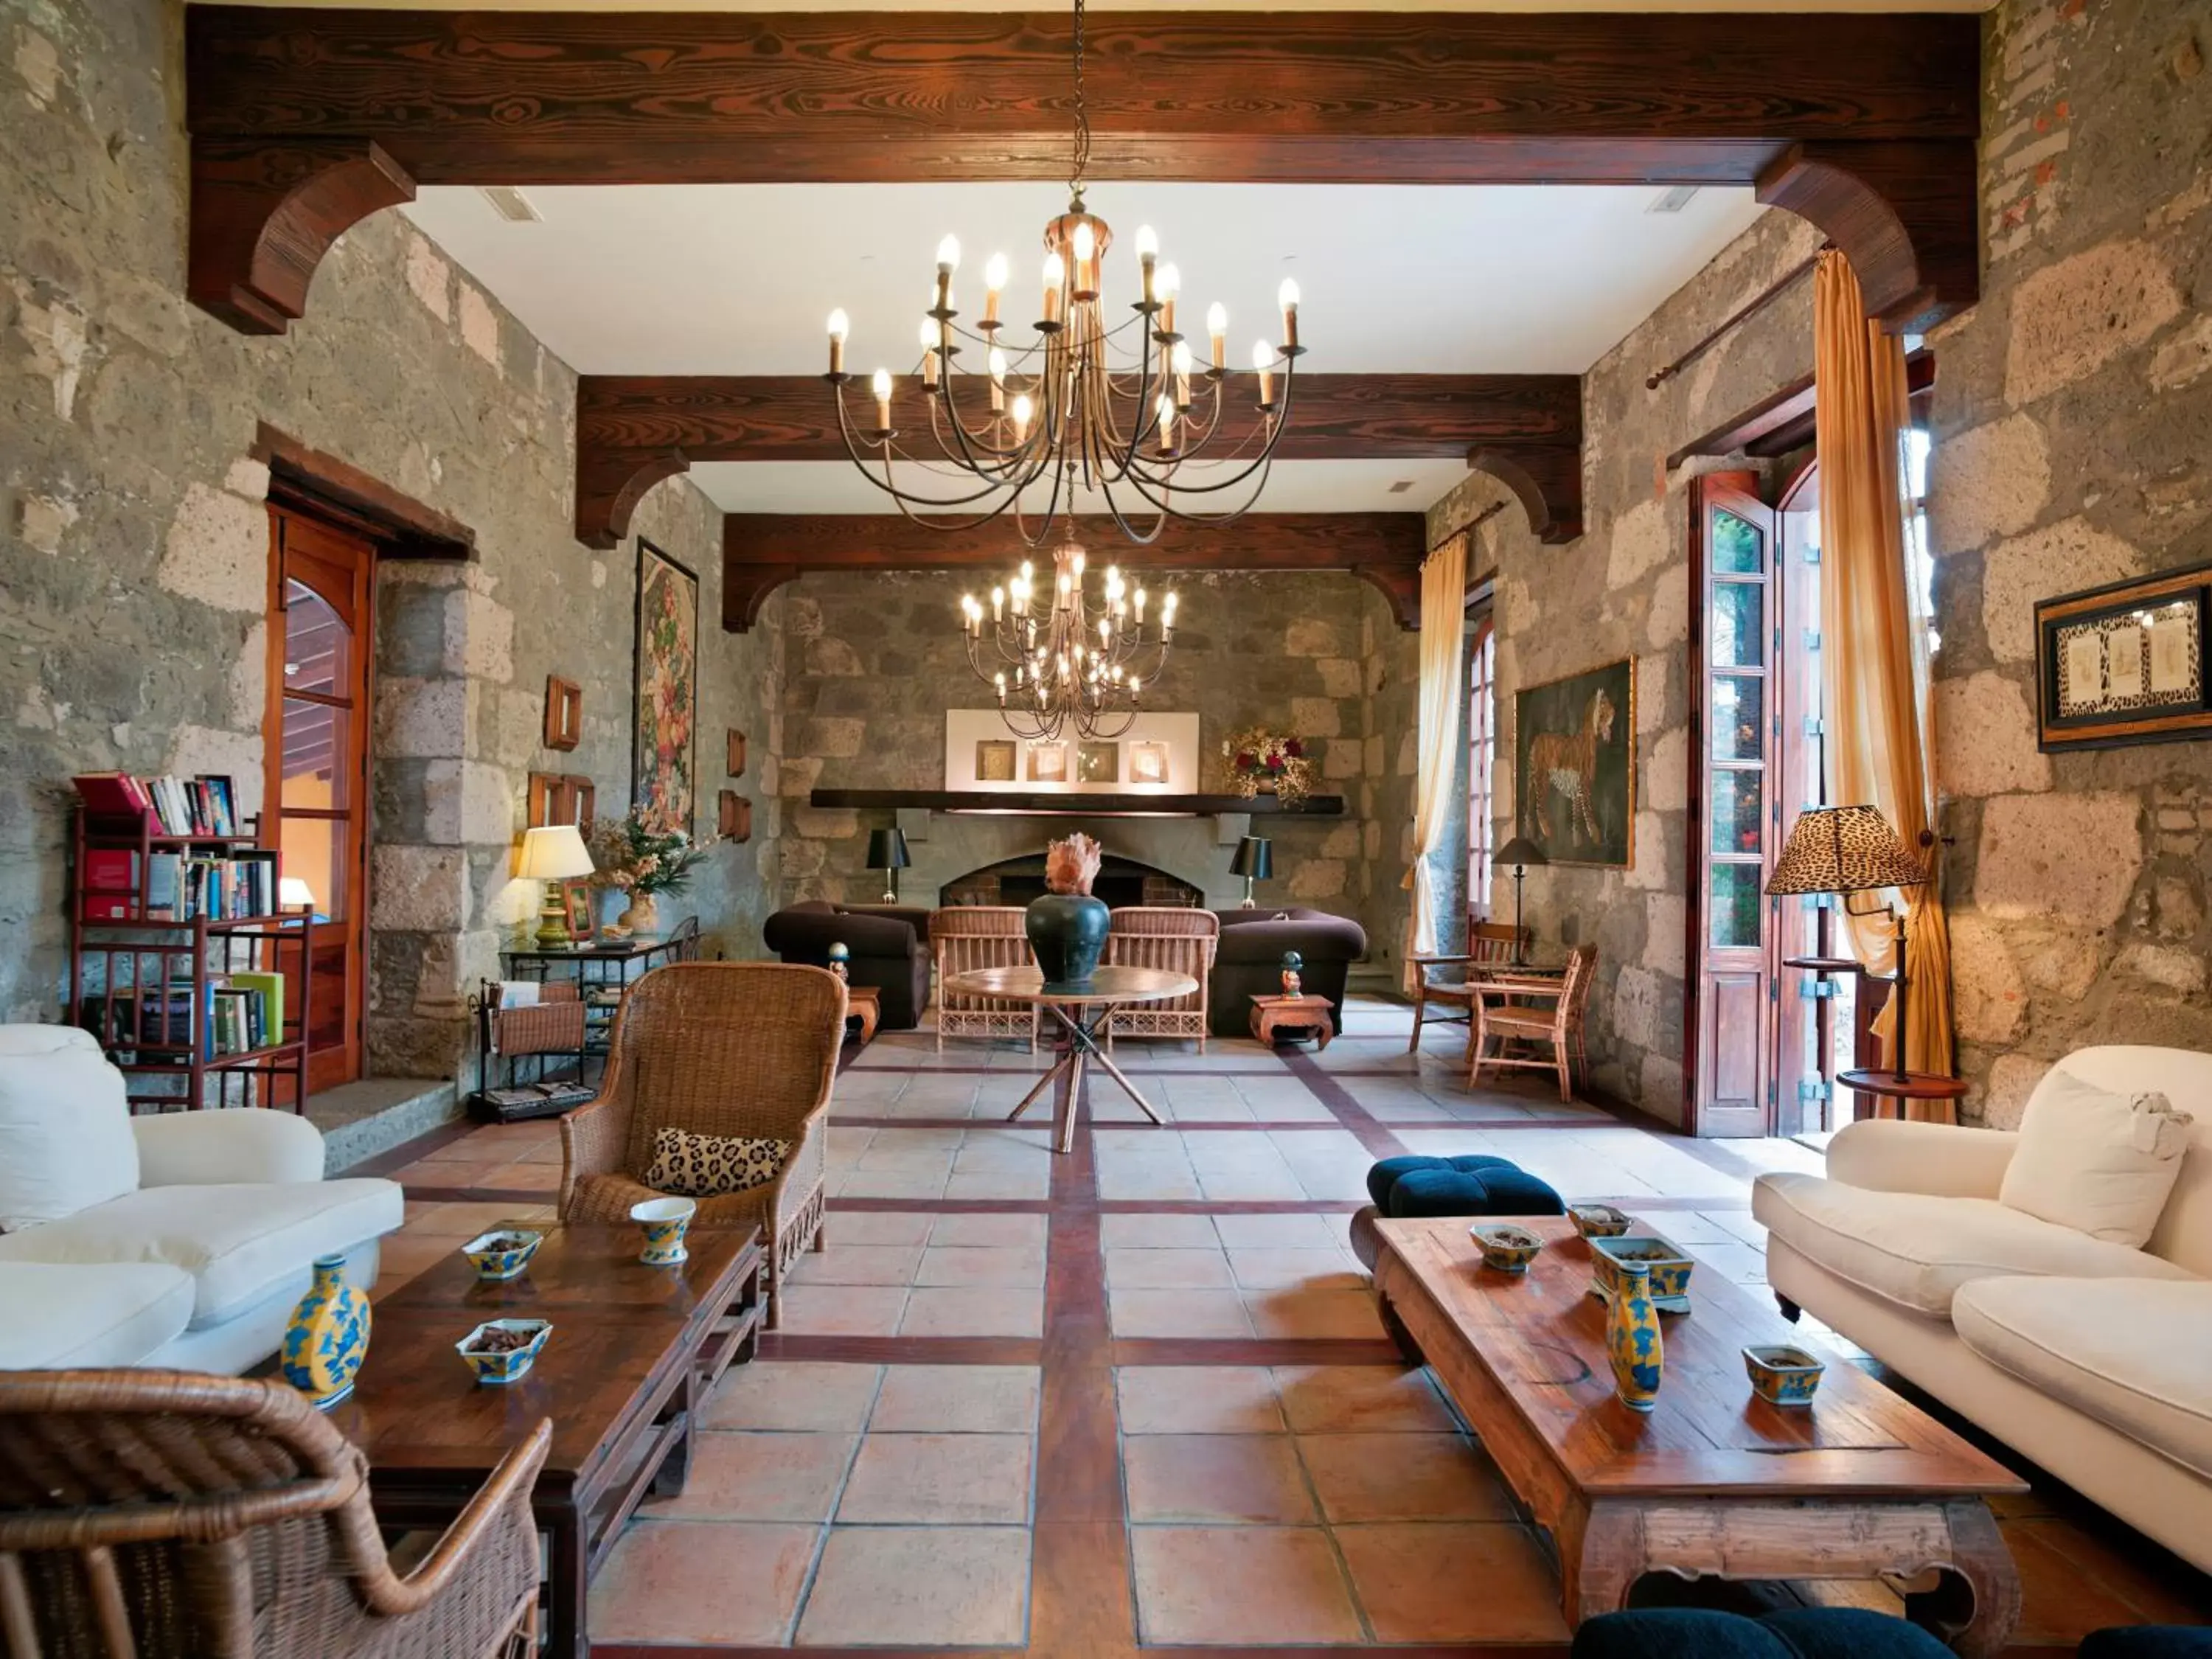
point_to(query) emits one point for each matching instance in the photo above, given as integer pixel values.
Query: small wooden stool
(863, 1003)
(1303, 1015)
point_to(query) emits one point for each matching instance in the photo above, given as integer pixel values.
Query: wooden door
(321, 642)
(1735, 610)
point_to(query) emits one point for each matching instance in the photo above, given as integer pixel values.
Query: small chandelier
(1055, 658)
(1060, 416)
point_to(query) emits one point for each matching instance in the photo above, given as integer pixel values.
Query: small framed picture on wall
(994, 760)
(2125, 663)
(1148, 762)
(1098, 762)
(1048, 762)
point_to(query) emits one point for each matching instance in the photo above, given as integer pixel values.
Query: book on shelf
(200, 806)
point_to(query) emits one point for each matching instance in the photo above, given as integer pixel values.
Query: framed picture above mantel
(1158, 754)
(2124, 663)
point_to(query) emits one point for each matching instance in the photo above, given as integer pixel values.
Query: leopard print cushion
(707, 1166)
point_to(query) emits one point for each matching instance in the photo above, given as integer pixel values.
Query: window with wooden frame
(1481, 755)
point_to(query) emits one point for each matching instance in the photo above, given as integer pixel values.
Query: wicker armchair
(964, 937)
(147, 1514)
(742, 1049)
(1489, 945)
(1549, 1012)
(1179, 938)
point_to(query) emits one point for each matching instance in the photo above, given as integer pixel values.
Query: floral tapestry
(663, 775)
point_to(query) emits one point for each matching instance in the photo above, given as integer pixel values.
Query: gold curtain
(1444, 623)
(1874, 643)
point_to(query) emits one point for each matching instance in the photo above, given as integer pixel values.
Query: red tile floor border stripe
(482, 1195)
(1374, 1134)
(1255, 1351)
(902, 1350)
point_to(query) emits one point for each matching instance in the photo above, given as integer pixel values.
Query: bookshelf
(198, 1009)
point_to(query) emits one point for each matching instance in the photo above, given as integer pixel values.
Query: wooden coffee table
(634, 1350)
(1714, 1481)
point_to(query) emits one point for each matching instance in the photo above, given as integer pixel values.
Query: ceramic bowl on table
(502, 1253)
(517, 1344)
(1782, 1375)
(1599, 1220)
(1669, 1264)
(1506, 1248)
(664, 1220)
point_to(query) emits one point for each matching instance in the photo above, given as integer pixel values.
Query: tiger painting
(1565, 763)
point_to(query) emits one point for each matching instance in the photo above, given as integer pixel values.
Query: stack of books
(243, 1012)
(178, 807)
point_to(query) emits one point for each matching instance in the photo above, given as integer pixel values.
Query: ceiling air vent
(511, 204)
(1401, 486)
(1672, 201)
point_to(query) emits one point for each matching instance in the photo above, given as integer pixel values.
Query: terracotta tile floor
(1139, 1396)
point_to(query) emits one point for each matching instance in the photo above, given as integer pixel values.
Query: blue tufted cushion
(1800, 1633)
(2147, 1642)
(1472, 1184)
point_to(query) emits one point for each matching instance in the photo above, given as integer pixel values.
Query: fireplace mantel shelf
(1055, 804)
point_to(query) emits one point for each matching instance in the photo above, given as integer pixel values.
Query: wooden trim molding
(635, 430)
(1782, 422)
(760, 551)
(304, 121)
(404, 527)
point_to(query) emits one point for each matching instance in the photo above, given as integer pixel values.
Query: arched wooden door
(321, 643)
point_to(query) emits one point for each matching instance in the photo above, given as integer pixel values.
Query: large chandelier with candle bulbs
(1055, 658)
(1123, 409)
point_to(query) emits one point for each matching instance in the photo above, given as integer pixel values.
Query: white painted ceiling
(739, 279)
(1292, 487)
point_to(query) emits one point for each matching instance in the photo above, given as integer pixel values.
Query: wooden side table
(1307, 1015)
(864, 1003)
(1938, 1095)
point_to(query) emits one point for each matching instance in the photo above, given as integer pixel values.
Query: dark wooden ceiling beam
(633, 430)
(304, 121)
(761, 551)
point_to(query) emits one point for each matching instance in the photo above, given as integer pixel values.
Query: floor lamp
(1847, 850)
(1519, 853)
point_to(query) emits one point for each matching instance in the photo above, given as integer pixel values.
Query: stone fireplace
(1120, 882)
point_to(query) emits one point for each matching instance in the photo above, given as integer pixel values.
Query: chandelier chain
(1082, 115)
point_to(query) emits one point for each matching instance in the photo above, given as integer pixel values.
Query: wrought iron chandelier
(1054, 659)
(1056, 415)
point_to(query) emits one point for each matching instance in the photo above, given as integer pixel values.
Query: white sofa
(184, 1240)
(2092, 1359)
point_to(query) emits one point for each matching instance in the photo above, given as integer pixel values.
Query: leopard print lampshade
(1843, 849)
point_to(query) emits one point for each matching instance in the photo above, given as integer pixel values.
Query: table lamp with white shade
(553, 854)
(292, 893)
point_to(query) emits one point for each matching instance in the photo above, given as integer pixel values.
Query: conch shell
(1071, 865)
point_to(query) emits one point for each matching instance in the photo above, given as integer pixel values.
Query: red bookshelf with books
(184, 960)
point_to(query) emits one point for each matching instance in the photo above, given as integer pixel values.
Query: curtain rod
(1474, 524)
(1782, 285)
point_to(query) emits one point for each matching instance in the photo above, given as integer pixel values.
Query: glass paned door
(1734, 639)
(317, 746)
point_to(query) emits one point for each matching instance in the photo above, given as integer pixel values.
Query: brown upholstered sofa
(889, 946)
(1249, 961)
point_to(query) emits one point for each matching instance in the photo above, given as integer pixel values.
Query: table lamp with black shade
(887, 852)
(1847, 850)
(1520, 853)
(1254, 861)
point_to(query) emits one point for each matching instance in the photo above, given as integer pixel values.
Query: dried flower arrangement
(1261, 760)
(1071, 865)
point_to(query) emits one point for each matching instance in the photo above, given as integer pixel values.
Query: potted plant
(633, 857)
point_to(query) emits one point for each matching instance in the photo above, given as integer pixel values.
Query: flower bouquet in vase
(637, 857)
(1263, 762)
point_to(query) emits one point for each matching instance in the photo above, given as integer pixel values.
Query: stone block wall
(1622, 590)
(2073, 446)
(134, 539)
(873, 662)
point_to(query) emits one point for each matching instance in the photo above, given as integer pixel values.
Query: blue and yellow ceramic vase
(1632, 1338)
(328, 1337)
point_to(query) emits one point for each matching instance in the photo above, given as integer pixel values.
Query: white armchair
(183, 1240)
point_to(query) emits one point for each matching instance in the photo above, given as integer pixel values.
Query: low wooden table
(1916, 1094)
(1714, 1481)
(864, 1003)
(634, 1350)
(1272, 1015)
(1079, 1010)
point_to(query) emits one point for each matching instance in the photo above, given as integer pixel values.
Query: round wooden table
(1079, 1010)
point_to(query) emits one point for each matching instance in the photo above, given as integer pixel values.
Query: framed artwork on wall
(2125, 663)
(564, 713)
(1048, 762)
(1574, 769)
(1098, 762)
(733, 816)
(664, 763)
(733, 753)
(1148, 762)
(994, 760)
